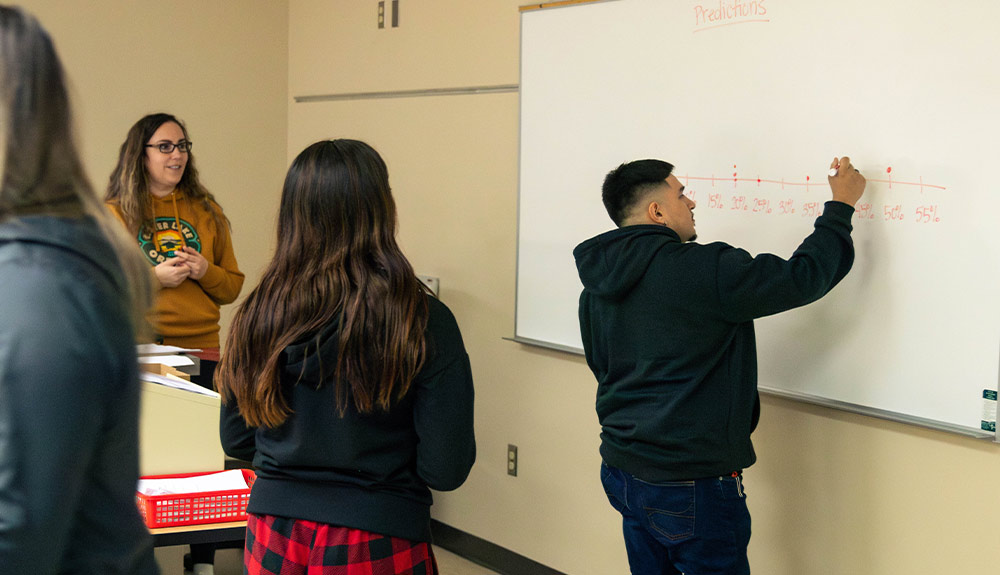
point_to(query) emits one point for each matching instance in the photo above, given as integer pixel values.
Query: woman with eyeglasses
(345, 381)
(181, 231)
(184, 235)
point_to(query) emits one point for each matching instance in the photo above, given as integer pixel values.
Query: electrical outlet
(381, 14)
(512, 460)
(433, 283)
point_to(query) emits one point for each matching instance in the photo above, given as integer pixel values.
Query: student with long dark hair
(345, 382)
(74, 296)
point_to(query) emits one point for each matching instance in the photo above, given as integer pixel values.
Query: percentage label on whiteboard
(892, 213)
(928, 214)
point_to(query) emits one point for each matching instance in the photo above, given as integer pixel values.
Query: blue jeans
(696, 527)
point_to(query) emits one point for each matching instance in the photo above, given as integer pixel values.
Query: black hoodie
(668, 331)
(372, 471)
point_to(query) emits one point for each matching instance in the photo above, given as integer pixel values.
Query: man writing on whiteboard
(667, 329)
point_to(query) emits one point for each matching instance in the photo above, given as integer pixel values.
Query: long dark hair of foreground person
(40, 168)
(336, 261)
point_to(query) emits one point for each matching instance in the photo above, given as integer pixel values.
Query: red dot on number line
(888, 170)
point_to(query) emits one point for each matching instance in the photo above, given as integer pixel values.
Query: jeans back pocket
(669, 507)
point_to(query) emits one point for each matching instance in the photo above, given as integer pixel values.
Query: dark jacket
(668, 332)
(69, 405)
(369, 472)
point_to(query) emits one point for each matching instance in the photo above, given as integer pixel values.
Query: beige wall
(220, 66)
(833, 493)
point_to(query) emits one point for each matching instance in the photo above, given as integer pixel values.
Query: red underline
(729, 24)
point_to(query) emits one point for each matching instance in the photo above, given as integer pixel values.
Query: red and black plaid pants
(283, 546)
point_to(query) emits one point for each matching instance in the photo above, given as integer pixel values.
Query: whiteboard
(751, 100)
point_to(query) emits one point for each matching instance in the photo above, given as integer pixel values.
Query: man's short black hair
(625, 184)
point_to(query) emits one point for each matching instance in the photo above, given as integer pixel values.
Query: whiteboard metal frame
(557, 4)
(816, 400)
(877, 413)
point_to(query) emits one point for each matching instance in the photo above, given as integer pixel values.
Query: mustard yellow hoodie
(188, 315)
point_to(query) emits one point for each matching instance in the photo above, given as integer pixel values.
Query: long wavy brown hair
(40, 168)
(336, 262)
(128, 187)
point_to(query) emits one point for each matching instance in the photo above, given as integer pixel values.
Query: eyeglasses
(168, 147)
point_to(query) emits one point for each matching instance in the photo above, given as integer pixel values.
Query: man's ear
(654, 213)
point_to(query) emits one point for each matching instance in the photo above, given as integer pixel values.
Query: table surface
(205, 533)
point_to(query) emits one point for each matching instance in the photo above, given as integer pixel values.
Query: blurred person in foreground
(74, 295)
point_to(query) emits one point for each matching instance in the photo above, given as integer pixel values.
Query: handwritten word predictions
(728, 13)
(760, 197)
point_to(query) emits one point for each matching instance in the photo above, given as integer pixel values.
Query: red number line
(919, 184)
(805, 184)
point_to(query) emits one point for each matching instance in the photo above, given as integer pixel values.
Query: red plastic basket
(194, 508)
